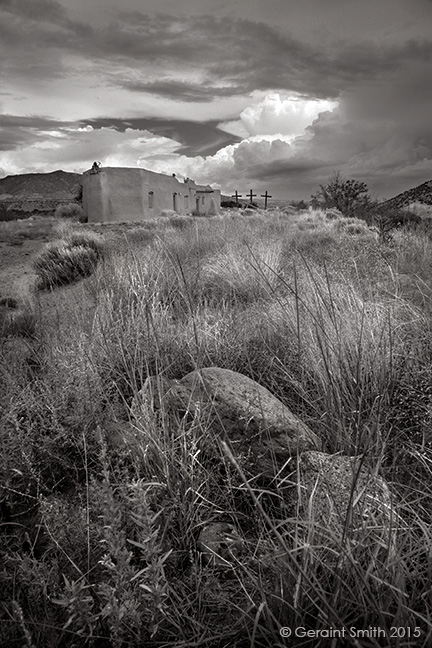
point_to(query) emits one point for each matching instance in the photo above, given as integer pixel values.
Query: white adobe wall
(124, 194)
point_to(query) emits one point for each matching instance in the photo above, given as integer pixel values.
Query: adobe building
(113, 194)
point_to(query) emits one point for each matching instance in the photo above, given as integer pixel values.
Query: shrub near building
(70, 210)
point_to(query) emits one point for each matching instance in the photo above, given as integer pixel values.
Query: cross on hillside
(265, 196)
(251, 195)
(237, 196)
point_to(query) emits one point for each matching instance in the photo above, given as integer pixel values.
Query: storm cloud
(277, 93)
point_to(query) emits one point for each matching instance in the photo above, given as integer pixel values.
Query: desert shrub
(351, 197)
(60, 264)
(83, 238)
(388, 219)
(68, 259)
(230, 204)
(70, 210)
(352, 226)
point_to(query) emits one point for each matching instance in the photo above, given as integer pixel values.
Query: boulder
(262, 432)
(260, 429)
(341, 505)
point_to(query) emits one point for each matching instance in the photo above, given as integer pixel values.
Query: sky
(269, 95)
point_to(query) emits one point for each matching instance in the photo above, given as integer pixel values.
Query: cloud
(219, 97)
(195, 138)
(278, 115)
(16, 131)
(190, 58)
(382, 136)
(182, 90)
(74, 148)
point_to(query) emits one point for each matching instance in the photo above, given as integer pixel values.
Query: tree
(351, 197)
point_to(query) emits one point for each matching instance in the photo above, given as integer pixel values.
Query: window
(202, 200)
(150, 199)
(186, 202)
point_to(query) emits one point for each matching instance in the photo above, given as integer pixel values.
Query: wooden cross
(237, 196)
(251, 195)
(265, 196)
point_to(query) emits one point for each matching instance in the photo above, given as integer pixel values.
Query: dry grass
(14, 232)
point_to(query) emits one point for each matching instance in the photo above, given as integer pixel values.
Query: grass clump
(68, 259)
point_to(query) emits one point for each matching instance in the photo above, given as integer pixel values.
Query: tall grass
(103, 511)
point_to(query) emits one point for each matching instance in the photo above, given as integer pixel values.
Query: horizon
(224, 194)
(270, 95)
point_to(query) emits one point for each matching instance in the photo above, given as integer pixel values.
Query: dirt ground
(16, 275)
(20, 243)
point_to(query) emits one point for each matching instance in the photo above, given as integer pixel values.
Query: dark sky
(262, 94)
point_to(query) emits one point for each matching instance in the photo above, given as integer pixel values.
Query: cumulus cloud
(278, 116)
(378, 137)
(75, 148)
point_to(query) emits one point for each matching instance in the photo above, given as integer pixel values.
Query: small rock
(341, 503)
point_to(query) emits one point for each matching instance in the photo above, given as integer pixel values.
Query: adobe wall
(131, 194)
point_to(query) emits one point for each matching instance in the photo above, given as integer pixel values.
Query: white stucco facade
(130, 194)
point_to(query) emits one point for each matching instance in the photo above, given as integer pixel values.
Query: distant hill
(421, 194)
(41, 192)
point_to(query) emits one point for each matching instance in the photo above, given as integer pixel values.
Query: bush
(69, 259)
(230, 204)
(350, 197)
(70, 210)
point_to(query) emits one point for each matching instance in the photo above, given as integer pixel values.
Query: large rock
(341, 506)
(261, 430)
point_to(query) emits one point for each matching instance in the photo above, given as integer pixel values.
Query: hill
(421, 194)
(31, 192)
